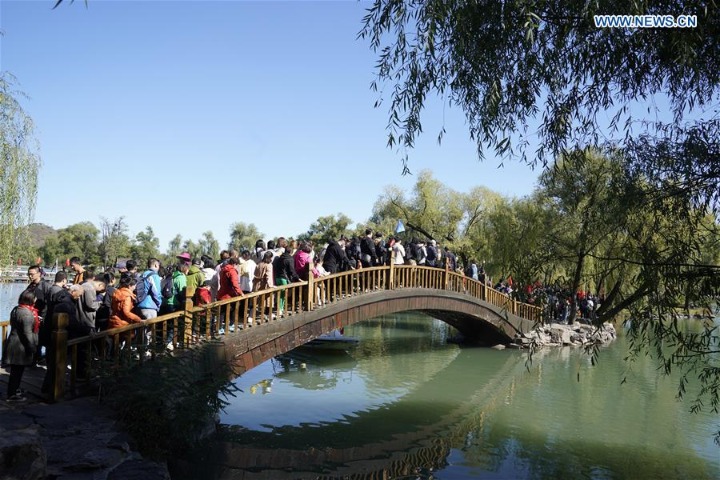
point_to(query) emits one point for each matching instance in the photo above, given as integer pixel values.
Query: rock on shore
(75, 439)
(557, 335)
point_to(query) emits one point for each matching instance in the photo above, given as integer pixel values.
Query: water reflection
(407, 403)
(314, 370)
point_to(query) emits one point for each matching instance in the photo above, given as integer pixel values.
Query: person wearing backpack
(173, 289)
(148, 290)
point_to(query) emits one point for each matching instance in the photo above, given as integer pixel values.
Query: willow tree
(19, 166)
(326, 228)
(145, 245)
(244, 235)
(537, 80)
(209, 245)
(540, 68)
(432, 209)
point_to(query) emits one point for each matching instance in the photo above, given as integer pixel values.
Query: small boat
(335, 340)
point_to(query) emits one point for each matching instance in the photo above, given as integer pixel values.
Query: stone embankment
(76, 439)
(558, 335)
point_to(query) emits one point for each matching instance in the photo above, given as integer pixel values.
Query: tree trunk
(421, 230)
(575, 286)
(637, 295)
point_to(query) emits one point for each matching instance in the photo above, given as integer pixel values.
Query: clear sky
(190, 116)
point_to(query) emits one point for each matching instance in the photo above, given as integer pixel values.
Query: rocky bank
(558, 335)
(75, 439)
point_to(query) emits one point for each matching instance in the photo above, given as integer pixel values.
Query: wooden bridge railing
(73, 360)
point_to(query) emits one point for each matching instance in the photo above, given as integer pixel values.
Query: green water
(408, 404)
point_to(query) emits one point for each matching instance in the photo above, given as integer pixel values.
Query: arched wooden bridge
(264, 324)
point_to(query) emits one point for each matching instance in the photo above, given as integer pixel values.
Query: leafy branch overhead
(539, 69)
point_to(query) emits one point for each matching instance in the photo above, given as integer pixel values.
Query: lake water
(9, 293)
(406, 403)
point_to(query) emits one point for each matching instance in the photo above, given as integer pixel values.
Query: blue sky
(190, 116)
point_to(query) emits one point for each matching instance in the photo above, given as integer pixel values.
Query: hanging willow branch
(19, 166)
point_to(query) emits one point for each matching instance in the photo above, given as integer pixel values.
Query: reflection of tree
(390, 355)
(630, 430)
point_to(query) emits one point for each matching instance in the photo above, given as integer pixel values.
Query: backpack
(167, 287)
(142, 288)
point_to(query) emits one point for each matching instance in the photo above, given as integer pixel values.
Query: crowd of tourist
(111, 299)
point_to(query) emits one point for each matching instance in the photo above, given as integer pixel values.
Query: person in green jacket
(195, 277)
(175, 298)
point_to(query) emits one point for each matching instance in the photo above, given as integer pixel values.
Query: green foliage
(175, 246)
(432, 209)
(114, 241)
(507, 65)
(516, 240)
(23, 250)
(167, 403)
(145, 246)
(584, 189)
(327, 228)
(243, 236)
(19, 166)
(208, 245)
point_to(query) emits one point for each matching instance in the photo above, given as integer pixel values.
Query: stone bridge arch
(474, 318)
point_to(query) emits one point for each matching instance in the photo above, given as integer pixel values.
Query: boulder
(22, 455)
(560, 335)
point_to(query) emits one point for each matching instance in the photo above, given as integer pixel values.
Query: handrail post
(310, 286)
(447, 273)
(57, 357)
(188, 321)
(391, 277)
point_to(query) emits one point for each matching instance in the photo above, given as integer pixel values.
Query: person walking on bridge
(335, 259)
(76, 266)
(149, 296)
(195, 277)
(229, 287)
(22, 343)
(398, 252)
(368, 255)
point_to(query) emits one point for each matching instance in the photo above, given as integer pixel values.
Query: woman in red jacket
(229, 282)
(229, 288)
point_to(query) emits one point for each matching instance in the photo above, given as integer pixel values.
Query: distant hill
(39, 232)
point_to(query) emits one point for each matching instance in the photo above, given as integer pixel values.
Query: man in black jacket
(335, 259)
(381, 251)
(284, 269)
(368, 257)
